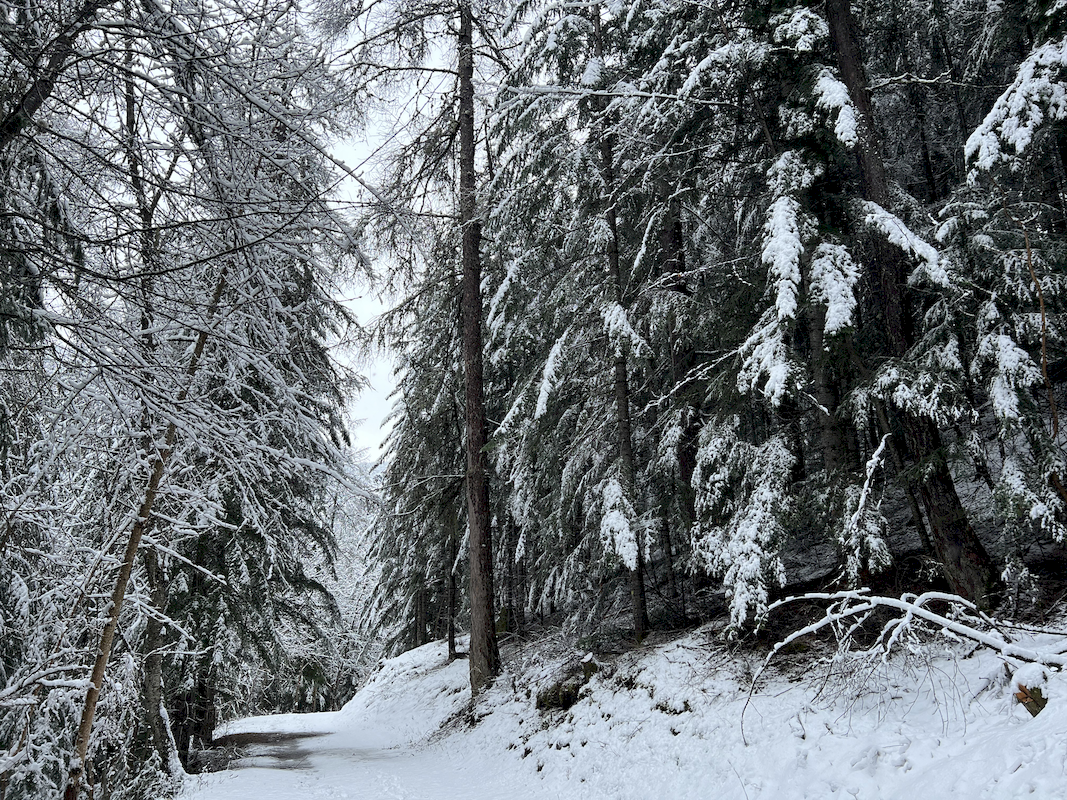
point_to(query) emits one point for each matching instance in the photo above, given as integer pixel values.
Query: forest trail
(379, 747)
(277, 765)
(275, 750)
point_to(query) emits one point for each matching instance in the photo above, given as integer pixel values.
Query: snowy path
(340, 765)
(376, 748)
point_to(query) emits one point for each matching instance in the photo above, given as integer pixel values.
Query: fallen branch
(855, 606)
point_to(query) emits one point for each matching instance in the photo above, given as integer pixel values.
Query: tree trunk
(59, 57)
(514, 593)
(453, 547)
(484, 655)
(118, 594)
(422, 613)
(624, 433)
(968, 567)
(155, 710)
(834, 446)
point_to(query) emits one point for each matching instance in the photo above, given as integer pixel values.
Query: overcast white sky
(368, 411)
(386, 124)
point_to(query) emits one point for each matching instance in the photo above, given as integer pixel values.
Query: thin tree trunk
(421, 614)
(118, 594)
(834, 447)
(453, 547)
(484, 655)
(511, 540)
(155, 710)
(967, 566)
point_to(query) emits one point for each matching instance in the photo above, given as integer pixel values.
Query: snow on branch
(1037, 94)
(800, 29)
(617, 524)
(765, 352)
(740, 502)
(967, 621)
(621, 334)
(899, 234)
(833, 280)
(846, 611)
(832, 95)
(1013, 373)
(862, 537)
(782, 249)
(548, 376)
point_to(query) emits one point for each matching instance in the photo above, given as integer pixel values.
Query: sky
(385, 124)
(367, 411)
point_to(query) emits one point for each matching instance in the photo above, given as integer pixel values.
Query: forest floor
(670, 720)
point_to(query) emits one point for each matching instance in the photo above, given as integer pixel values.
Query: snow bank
(409, 698)
(941, 723)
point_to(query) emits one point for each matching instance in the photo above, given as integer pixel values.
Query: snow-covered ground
(665, 723)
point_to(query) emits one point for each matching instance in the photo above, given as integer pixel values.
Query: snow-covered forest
(696, 305)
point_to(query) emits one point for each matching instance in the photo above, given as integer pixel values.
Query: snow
(799, 28)
(792, 173)
(620, 332)
(375, 747)
(862, 538)
(782, 249)
(592, 73)
(832, 95)
(548, 376)
(765, 353)
(938, 719)
(1037, 95)
(616, 530)
(1013, 373)
(833, 280)
(931, 266)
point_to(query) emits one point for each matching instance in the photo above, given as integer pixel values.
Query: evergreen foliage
(837, 245)
(773, 298)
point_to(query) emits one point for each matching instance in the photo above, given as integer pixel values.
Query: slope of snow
(667, 723)
(938, 721)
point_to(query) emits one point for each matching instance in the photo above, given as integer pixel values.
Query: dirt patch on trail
(270, 750)
(243, 739)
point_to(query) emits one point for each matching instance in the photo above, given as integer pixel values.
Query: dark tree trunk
(832, 439)
(422, 614)
(452, 515)
(60, 55)
(514, 601)
(153, 667)
(622, 390)
(967, 566)
(484, 655)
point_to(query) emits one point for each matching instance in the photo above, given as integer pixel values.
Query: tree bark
(60, 57)
(155, 710)
(624, 434)
(118, 594)
(832, 439)
(484, 655)
(422, 613)
(967, 566)
(452, 515)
